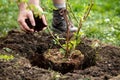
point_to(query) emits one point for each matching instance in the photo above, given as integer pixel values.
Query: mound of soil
(100, 63)
(57, 61)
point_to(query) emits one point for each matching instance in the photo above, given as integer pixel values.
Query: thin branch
(85, 16)
(73, 13)
(68, 30)
(55, 38)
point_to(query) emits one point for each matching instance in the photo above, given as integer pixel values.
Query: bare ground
(100, 63)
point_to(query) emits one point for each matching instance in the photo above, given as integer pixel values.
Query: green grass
(103, 22)
(8, 16)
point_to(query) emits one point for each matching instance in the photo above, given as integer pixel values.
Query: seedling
(71, 44)
(75, 40)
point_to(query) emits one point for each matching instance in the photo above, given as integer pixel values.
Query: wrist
(22, 6)
(34, 2)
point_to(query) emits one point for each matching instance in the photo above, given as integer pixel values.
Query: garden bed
(29, 63)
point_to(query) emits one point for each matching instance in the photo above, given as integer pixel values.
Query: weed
(4, 57)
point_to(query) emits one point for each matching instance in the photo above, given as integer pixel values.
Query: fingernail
(33, 24)
(32, 30)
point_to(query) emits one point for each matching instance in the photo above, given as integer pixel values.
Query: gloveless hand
(28, 14)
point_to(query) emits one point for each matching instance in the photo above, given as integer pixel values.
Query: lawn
(103, 22)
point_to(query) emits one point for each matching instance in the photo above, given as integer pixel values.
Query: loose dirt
(100, 63)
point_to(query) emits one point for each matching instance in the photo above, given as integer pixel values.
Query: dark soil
(40, 25)
(100, 63)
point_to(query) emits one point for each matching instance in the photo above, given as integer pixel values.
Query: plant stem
(55, 38)
(68, 31)
(73, 13)
(85, 15)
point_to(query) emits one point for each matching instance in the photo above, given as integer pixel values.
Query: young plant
(75, 40)
(71, 43)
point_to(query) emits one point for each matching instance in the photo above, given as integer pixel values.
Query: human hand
(31, 20)
(23, 15)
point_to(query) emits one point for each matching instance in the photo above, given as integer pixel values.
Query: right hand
(23, 15)
(28, 14)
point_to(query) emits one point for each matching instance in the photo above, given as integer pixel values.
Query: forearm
(35, 2)
(22, 6)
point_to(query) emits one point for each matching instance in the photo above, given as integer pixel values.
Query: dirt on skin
(100, 63)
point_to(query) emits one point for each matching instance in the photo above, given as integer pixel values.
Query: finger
(44, 19)
(32, 20)
(24, 26)
(24, 29)
(21, 27)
